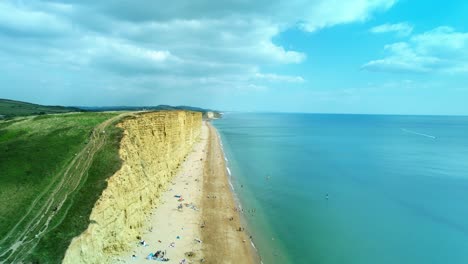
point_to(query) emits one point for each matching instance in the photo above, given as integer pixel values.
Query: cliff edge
(152, 148)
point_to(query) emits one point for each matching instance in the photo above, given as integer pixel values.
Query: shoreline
(205, 229)
(228, 244)
(237, 201)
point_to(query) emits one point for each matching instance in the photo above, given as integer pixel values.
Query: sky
(318, 56)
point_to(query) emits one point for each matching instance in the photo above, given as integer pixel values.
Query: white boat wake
(419, 134)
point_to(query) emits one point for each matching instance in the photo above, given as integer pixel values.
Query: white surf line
(230, 184)
(252, 243)
(236, 198)
(229, 178)
(419, 134)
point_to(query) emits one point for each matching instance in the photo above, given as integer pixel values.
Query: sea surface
(351, 189)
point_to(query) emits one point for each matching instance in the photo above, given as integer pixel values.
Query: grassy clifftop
(11, 108)
(53, 170)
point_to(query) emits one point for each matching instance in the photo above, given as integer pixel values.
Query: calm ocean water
(397, 186)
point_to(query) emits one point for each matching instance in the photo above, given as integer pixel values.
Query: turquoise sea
(397, 186)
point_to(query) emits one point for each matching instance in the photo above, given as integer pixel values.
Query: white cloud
(401, 29)
(280, 78)
(18, 19)
(124, 57)
(441, 39)
(334, 12)
(439, 50)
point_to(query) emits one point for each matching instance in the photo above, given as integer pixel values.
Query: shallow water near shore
(396, 186)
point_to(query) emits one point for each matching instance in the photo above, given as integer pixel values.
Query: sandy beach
(223, 242)
(196, 221)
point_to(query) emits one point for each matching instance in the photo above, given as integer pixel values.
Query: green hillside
(53, 169)
(11, 108)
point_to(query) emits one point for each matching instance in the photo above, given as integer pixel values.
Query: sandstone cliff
(152, 148)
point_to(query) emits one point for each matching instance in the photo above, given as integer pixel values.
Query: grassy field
(11, 108)
(53, 169)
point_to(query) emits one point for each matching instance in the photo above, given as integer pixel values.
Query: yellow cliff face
(152, 148)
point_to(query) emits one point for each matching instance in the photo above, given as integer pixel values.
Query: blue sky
(355, 56)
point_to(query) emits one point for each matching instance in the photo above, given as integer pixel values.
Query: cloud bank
(156, 49)
(442, 50)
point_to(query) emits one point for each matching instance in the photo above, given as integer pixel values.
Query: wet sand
(223, 243)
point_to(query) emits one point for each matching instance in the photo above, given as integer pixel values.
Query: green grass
(11, 108)
(52, 247)
(33, 155)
